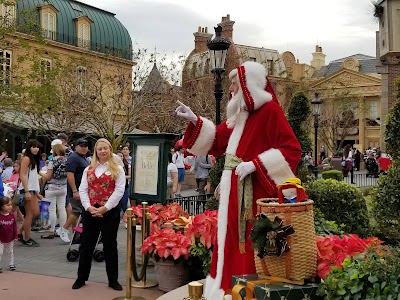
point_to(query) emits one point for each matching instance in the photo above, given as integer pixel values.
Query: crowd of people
(77, 184)
(375, 161)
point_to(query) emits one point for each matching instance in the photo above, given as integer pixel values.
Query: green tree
(299, 112)
(392, 131)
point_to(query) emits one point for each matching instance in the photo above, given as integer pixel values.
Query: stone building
(69, 31)
(388, 51)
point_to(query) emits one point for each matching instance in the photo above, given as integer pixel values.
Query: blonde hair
(112, 164)
(58, 150)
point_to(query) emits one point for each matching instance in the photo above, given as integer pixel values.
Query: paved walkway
(45, 273)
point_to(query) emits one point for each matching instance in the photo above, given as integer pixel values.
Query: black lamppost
(218, 50)
(316, 106)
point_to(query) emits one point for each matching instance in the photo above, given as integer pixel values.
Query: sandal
(47, 236)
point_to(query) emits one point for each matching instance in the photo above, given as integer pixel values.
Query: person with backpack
(56, 187)
(202, 166)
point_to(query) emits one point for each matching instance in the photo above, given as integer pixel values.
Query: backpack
(59, 168)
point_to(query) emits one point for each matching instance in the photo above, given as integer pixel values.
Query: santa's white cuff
(277, 167)
(204, 135)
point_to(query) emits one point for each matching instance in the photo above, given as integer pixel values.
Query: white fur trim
(205, 139)
(237, 132)
(212, 291)
(213, 285)
(277, 167)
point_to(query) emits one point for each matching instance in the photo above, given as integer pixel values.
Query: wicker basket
(301, 261)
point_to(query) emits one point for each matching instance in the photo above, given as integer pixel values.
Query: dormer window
(49, 26)
(7, 14)
(83, 31)
(48, 16)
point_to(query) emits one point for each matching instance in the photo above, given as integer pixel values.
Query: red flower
(167, 244)
(332, 250)
(203, 228)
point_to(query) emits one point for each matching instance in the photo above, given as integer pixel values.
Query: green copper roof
(107, 34)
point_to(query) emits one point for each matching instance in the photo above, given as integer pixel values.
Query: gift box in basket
(284, 234)
(262, 289)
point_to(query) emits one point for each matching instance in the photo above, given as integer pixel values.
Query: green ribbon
(245, 198)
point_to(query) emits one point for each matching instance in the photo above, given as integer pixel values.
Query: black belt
(97, 205)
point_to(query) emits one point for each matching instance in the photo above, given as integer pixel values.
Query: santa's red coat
(263, 136)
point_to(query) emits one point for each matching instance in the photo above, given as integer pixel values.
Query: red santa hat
(257, 89)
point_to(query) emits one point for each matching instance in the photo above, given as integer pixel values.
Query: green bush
(212, 203)
(324, 227)
(386, 204)
(368, 276)
(333, 174)
(342, 203)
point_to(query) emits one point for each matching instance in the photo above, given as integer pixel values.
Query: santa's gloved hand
(244, 169)
(184, 111)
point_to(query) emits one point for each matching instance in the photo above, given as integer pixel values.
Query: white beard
(234, 107)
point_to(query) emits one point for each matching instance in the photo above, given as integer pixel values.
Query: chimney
(318, 60)
(227, 27)
(200, 39)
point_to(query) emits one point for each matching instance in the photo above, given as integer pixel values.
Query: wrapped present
(266, 289)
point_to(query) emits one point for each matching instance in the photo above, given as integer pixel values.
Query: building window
(7, 14)
(45, 67)
(270, 66)
(84, 35)
(49, 26)
(373, 110)
(5, 64)
(81, 74)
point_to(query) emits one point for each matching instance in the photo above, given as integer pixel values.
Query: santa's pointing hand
(184, 111)
(244, 169)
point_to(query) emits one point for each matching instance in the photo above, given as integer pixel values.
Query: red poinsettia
(332, 250)
(167, 244)
(160, 214)
(203, 228)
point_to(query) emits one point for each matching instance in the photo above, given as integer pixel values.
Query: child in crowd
(8, 231)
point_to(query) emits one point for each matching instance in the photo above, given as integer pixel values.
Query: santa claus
(261, 152)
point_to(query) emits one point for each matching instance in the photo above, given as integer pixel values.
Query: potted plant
(170, 250)
(160, 215)
(202, 231)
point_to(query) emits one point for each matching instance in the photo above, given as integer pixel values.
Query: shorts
(76, 206)
(32, 192)
(181, 175)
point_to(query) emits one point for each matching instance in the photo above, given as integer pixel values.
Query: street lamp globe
(316, 104)
(218, 48)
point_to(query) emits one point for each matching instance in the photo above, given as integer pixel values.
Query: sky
(341, 27)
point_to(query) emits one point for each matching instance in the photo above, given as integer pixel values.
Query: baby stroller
(73, 254)
(372, 167)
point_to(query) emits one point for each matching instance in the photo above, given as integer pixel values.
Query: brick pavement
(50, 260)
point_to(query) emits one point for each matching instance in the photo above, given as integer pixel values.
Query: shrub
(212, 203)
(342, 203)
(386, 204)
(333, 174)
(324, 227)
(371, 275)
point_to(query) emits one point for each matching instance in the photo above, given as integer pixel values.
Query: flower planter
(170, 276)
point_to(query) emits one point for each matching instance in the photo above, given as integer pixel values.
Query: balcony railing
(108, 49)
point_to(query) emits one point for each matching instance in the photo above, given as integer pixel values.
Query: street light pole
(218, 93)
(218, 48)
(316, 105)
(316, 145)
